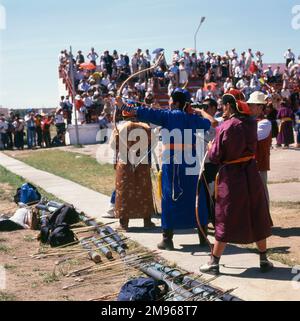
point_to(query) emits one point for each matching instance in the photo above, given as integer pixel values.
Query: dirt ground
(37, 280)
(41, 279)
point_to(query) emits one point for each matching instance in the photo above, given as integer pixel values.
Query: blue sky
(37, 30)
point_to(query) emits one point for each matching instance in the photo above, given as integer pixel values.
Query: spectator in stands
(93, 56)
(80, 58)
(46, 124)
(289, 56)
(108, 62)
(38, 128)
(59, 122)
(68, 110)
(31, 129)
(19, 132)
(3, 132)
(10, 130)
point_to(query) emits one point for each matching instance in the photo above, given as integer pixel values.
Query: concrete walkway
(240, 271)
(284, 175)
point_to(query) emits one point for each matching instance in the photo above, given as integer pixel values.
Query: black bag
(142, 289)
(61, 235)
(55, 230)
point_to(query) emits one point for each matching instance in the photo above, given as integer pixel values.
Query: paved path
(284, 175)
(240, 272)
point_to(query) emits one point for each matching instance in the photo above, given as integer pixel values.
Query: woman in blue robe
(178, 185)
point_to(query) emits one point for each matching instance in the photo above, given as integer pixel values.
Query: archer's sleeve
(154, 116)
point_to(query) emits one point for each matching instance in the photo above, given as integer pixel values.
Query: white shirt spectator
(3, 126)
(199, 96)
(88, 101)
(241, 84)
(59, 119)
(238, 72)
(289, 55)
(227, 85)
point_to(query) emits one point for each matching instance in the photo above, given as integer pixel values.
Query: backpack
(26, 194)
(61, 235)
(55, 229)
(142, 289)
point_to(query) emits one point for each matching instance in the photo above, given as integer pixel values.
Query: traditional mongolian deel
(133, 183)
(178, 187)
(242, 211)
(286, 134)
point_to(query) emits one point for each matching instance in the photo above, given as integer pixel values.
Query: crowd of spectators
(216, 73)
(97, 78)
(34, 130)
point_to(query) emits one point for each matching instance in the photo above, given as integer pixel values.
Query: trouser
(264, 178)
(47, 138)
(31, 137)
(298, 135)
(39, 136)
(3, 139)
(10, 141)
(288, 62)
(19, 140)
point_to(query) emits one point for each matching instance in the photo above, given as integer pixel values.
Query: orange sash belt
(282, 121)
(179, 147)
(237, 161)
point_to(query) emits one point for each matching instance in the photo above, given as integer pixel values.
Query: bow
(128, 79)
(119, 94)
(201, 172)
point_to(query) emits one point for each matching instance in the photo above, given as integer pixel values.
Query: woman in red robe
(242, 210)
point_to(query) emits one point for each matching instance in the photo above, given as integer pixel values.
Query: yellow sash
(282, 121)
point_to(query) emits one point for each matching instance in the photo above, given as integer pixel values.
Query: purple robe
(286, 133)
(242, 210)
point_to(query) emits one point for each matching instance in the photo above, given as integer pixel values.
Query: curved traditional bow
(128, 79)
(201, 172)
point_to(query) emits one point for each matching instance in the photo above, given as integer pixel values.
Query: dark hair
(211, 102)
(228, 99)
(179, 97)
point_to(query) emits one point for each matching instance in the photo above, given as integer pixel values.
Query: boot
(265, 264)
(167, 242)
(202, 239)
(148, 223)
(212, 268)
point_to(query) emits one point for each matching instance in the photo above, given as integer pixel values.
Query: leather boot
(202, 239)
(167, 242)
(148, 223)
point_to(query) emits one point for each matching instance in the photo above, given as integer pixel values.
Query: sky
(37, 30)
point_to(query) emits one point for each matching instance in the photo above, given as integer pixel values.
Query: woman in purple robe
(242, 210)
(286, 133)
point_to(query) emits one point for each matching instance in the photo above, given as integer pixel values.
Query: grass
(4, 249)
(292, 180)
(7, 297)
(49, 278)
(83, 170)
(285, 205)
(10, 267)
(15, 181)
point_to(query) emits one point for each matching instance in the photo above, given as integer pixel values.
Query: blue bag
(142, 289)
(27, 194)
